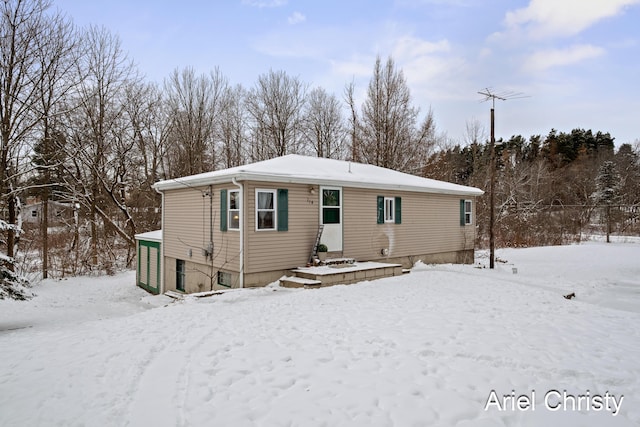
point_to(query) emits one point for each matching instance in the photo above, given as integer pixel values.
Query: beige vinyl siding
(186, 227)
(269, 250)
(430, 225)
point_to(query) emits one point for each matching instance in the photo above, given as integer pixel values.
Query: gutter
(242, 214)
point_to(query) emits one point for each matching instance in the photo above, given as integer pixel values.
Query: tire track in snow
(161, 392)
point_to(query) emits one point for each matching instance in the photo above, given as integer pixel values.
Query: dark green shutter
(398, 213)
(283, 209)
(462, 221)
(223, 210)
(380, 209)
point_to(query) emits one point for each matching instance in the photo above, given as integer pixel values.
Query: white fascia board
(289, 179)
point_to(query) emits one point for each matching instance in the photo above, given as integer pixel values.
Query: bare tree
(194, 103)
(474, 132)
(324, 127)
(390, 136)
(275, 108)
(96, 128)
(149, 124)
(57, 48)
(21, 24)
(232, 127)
(349, 96)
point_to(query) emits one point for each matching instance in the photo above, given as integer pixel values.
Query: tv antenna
(490, 94)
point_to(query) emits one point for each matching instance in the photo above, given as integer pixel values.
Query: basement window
(224, 279)
(180, 274)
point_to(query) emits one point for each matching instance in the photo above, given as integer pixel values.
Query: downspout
(241, 225)
(210, 246)
(161, 242)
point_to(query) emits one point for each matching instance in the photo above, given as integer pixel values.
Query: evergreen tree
(12, 285)
(607, 183)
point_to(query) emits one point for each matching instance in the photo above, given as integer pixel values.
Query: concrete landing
(340, 274)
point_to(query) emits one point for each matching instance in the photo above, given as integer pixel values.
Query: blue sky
(578, 61)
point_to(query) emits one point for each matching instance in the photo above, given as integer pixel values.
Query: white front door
(331, 217)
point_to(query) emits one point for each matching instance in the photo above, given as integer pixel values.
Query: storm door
(331, 217)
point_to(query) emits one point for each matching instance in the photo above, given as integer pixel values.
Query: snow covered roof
(154, 236)
(295, 168)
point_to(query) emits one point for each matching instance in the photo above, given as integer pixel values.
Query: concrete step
(299, 282)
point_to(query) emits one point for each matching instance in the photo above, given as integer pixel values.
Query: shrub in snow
(12, 285)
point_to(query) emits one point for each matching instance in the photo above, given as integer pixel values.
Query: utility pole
(489, 95)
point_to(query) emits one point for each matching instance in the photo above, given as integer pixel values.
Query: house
(59, 213)
(247, 226)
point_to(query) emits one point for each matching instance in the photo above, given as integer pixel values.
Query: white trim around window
(233, 210)
(266, 209)
(389, 209)
(468, 212)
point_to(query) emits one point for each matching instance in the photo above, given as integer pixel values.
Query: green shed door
(149, 266)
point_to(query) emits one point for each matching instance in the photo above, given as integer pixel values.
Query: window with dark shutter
(283, 209)
(223, 210)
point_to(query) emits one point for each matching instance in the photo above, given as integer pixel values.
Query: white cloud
(423, 61)
(357, 66)
(296, 18)
(553, 18)
(427, 66)
(265, 3)
(545, 59)
(411, 47)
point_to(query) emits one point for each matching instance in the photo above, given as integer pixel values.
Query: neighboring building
(248, 225)
(59, 213)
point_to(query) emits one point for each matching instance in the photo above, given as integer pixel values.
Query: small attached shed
(148, 248)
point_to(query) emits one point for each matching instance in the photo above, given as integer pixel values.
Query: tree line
(551, 189)
(80, 125)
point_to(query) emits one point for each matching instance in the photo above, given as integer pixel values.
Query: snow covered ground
(437, 346)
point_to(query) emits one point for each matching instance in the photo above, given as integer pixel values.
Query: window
(34, 213)
(234, 210)
(389, 209)
(466, 212)
(265, 209)
(330, 206)
(180, 274)
(224, 279)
